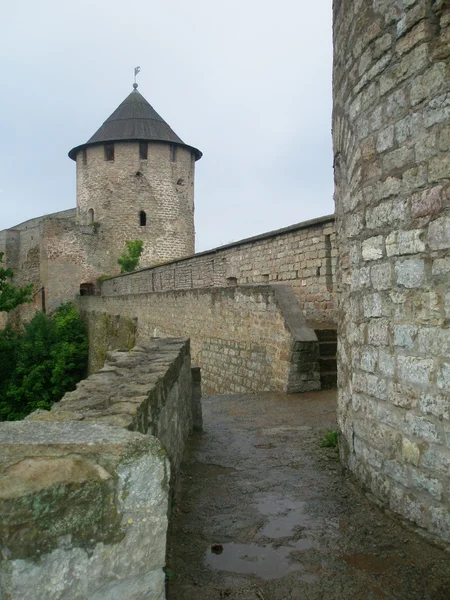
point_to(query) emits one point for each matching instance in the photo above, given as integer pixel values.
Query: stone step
(327, 364)
(328, 380)
(327, 348)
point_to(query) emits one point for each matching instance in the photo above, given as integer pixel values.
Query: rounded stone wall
(128, 197)
(391, 136)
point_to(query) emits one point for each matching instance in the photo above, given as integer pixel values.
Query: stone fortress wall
(302, 256)
(161, 185)
(249, 308)
(391, 133)
(245, 339)
(85, 488)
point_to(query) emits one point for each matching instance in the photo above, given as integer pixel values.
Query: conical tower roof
(134, 120)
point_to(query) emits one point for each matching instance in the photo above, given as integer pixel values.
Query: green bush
(45, 361)
(12, 296)
(129, 260)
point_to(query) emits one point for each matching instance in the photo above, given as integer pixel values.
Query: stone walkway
(263, 512)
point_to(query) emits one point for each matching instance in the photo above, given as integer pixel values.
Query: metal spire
(136, 71)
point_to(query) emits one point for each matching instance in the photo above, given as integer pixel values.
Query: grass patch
(330, 439)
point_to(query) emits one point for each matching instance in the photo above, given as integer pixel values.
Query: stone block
(405, 335)
(410, 273)
(401, 158)
(396, 103)
(414, 510)
(372, 249)
(385, 139)
(92, 496)
(440, 522)
(427, 203)
(431, 82)
(396, 470)
(435, 404)
(386, 363)
(421, 32)
(439, 167)
(381, 276)
(404, 242)
(413, 369)
(368, 360)
(405, 396)
(373, 306)
(422, 428)
(411, 452)
(434, 341)
(378, 333)
(408, 128)
(423, 482)
(439, 233)
(443, 377)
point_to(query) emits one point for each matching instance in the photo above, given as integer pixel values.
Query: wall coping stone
(293, 316)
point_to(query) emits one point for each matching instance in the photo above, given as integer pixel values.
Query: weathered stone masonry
(245, 339)
(391, 134)
(302, 256)
(84, 488)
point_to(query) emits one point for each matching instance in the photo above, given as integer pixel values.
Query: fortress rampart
(302, 256)
(245, 339)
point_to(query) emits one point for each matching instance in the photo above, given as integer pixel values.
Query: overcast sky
(248, 82)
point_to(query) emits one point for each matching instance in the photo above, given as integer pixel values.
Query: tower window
(109, 151)
(143, 150)
(84, 156)
(142, 218)
(173, 152)
(90, 216)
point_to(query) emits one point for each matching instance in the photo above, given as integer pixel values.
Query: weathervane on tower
(136, 71)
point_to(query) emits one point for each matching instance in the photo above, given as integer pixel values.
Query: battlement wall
(302, 256)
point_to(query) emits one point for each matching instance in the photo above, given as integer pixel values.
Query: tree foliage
(129, 259)
(12, 296)
(41, 363)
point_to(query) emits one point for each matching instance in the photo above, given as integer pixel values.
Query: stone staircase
(327, 336)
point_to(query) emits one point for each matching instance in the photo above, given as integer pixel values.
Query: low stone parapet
(85, 487)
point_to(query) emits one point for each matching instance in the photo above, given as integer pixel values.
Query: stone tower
(391, 133)
(135, 180)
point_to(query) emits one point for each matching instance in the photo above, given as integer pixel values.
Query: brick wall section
(392, 172)
(118, 190)
(239, 336)
(303, 256)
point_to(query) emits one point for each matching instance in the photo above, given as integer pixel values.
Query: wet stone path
(263, 512)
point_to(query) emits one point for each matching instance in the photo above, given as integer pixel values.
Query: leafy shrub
(12, 296)
(129, 260)
(45, 361)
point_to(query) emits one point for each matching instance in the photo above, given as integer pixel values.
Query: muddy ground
(263, 512)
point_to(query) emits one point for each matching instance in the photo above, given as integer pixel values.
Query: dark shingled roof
(134, 120)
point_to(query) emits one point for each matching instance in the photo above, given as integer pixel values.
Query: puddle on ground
(286, 515)
(263, 561)
(273, 504)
